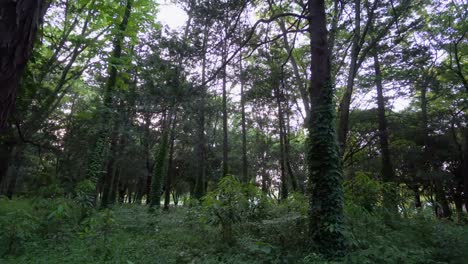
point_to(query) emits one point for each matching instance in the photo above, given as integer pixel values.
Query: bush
(363, 191)
(17, 228)
(226, 205)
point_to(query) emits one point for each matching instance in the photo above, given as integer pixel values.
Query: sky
(174, 17)
(171, 15)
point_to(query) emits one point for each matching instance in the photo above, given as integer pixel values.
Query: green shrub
(364, 191)
(17, 228)
(226, 205)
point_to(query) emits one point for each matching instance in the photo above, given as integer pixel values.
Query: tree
(324, 168)
(20, 22)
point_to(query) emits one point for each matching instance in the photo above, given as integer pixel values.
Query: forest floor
(131, 234)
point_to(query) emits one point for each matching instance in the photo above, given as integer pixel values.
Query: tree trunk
(109, 175)
(287, 154)
(388, 174)
(160, 162)
(343, 124)
(300, 82)
(106, 118)
(225, 114)
(20, 21)
(325, 172)
(465, 168)
(199, 189)
(245, 176)
(284, 183)
(170, 167)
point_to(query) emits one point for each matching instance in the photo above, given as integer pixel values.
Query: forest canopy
(272, 131)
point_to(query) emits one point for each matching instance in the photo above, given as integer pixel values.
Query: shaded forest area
(274, 131)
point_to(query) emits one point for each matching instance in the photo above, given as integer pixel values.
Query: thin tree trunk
(245, 176)
(199, 189)
(170, 166)
(465, 167)
(287, 153)
(284, 183)
(225, 114)
(343, 124)
(300, 82)
(110, 172)
(148, 163)
(388, 174)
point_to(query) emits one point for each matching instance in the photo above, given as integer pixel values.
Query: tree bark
(20, 20)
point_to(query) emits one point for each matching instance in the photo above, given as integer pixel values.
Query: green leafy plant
(17, 228)
(226, 205)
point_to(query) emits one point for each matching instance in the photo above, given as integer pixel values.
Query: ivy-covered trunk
(160, 164)
(325, 173)
(106, 116)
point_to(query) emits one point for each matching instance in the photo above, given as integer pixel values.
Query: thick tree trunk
(325, 173)
(19, 22)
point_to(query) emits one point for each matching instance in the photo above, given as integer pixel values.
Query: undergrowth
(53, 230)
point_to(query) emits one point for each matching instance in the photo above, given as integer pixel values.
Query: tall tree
(107, 119)
(388, 174)
(325, 173)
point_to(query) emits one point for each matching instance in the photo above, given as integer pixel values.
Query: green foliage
(16, 228)
(84, 193)
(363, 191)
(420, 239)
(130, 234)
(226, 205)
(232, 203)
